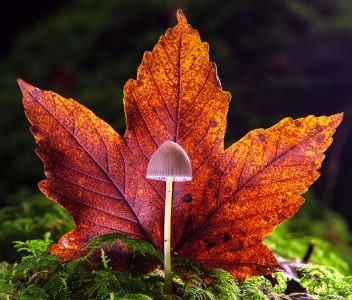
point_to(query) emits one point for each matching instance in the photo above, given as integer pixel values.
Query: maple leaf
(237, 196)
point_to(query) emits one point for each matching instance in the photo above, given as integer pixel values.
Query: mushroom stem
(167, 238)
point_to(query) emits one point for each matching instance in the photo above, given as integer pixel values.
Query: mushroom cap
(170, 160)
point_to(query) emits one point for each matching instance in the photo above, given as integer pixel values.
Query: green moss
(31, 220)
(40, 275)
(139, 248)
(327, 282)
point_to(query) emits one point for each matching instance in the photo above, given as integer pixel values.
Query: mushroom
(169, 163)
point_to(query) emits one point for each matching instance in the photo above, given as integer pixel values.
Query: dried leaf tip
(170, 160)
(24, 86)
(181, 18)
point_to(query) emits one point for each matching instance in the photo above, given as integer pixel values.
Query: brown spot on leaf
(266, 218)
(281, 216)
(213, 123)
(210, 245)
(320, 138)
(187, 198)
(261, 137)
(189, 120)
(226, 237)
(218, 172)
(298, 123)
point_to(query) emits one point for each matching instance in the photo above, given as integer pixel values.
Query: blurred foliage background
(278, 58)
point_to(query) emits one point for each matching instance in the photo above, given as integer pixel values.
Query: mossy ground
(40, 275)
(32, 273)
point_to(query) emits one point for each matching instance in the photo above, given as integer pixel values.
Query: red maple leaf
(237, 196)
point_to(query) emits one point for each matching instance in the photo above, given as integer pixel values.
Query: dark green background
(278, 58)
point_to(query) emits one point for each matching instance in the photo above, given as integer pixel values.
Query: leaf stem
(167, 238)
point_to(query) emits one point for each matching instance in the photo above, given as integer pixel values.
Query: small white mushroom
(170, 160)
(169, 163)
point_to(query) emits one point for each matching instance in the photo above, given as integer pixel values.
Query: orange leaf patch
(237, 196)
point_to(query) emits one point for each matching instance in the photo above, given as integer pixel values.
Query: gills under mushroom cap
(170, 160)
